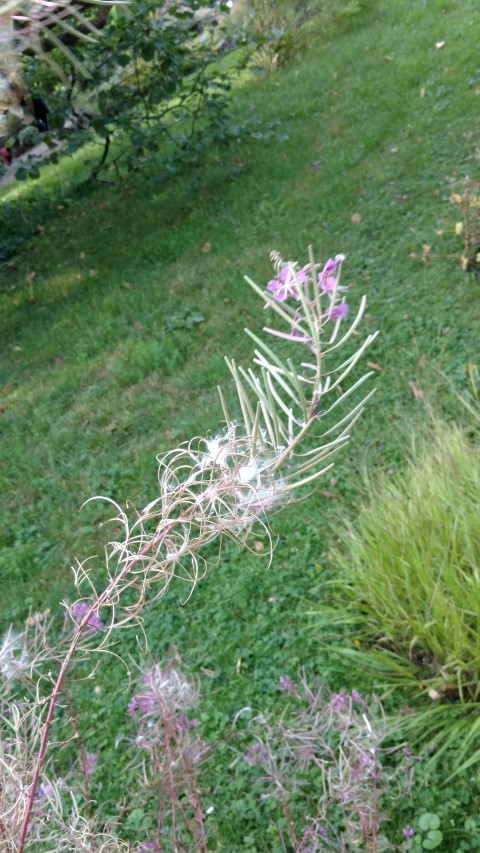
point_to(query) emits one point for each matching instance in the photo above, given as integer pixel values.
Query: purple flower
(339, 312)
(365, 766)
(42, 797)
(408, 832)
(327, 285)
(257, 753)
(132, 706)
(288, 686)
(146, 846)
(183, 724)
(286, 283)
(79, 610)
(356, 697)
(364, 759)
(43, 790)
(338, 702)
(143, 702)
(327, 279)
(90, 762)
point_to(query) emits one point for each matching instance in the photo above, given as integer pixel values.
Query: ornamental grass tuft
(411, 566)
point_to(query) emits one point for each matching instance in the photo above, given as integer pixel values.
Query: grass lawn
(100, 369)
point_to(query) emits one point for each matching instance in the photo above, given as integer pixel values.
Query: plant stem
(61, 675)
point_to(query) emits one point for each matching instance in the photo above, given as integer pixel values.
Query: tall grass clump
(411, 566)
(410, 572)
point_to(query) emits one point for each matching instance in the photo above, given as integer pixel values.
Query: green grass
(94, 384)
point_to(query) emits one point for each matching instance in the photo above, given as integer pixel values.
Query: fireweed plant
(292, 421)
(329, 748)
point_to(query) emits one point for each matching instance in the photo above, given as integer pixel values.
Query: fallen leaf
(208, 672)
(259, 546)
(426, 253)
(206, 247)
(356, 218)
(30, 276)
(375, 366)
(238, 666)
(327, 494)
(388, 58)
(422, 92)
(439, 44)
(393, 150)
(458, 227)
(421, 362)
(416, 391)
(472, 371)
(111, 427)
(477, 90)
(2, 407)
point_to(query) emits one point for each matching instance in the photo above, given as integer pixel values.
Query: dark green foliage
(154, 85)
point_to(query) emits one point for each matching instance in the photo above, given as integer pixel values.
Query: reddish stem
(61, 675)
(81, 753)
(4, 836)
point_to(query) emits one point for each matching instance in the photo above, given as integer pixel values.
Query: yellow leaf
(416, 391)
(464, 262)
(458, 227)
